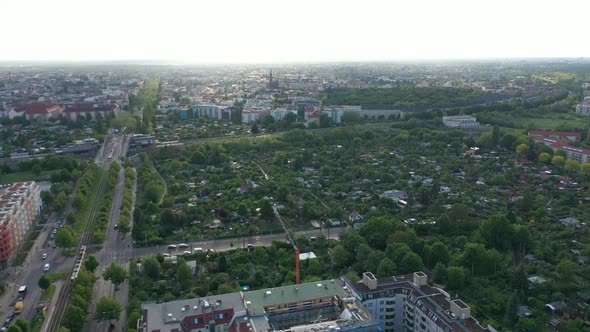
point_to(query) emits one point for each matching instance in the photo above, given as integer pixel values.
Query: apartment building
(583, 108)
(279, 113)
(568, 135)
(20, 208)
(460, 121)
(318, 306)
(571, 152)
(250, 116)
(408, 303)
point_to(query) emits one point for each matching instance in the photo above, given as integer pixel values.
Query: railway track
(85, 237)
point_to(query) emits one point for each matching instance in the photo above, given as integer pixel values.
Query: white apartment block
(344, 108)
(280, 113)
(335, 115)
(408, 303)
(211, 111)
(250, 116)
(583, 108)
(460, 121)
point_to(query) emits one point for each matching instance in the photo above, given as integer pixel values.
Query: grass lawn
(25, 176)
(550, 123)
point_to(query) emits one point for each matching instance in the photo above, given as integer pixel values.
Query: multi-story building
(317, 306)
(335, 114)
(344, 108)
(583, 108)
(460, 121)
(569, 135)
(250, 116)
(20, 208)
(77, 112)
(571, 152)
(213, 112)
(280, 113)
(408, 303)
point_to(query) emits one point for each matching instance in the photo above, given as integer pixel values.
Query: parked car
(44, 256)
(46, 267)
(171, 246)
(183, 245)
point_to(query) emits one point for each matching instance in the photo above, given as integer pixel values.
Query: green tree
(522, 149)
(152, 268)
(184, 276)
(123, 227)
(242, 210)
(377, 230)
(44, 282)
(558, 161)
(495, 136)
(14, 328)
(74, 318)
(24, 325)
(572, 165)
(439, 273)
(411, 262)
(544, 157)
(342, 257)
(115, 273)
(439, 253)
(91, 263)
(455, 278)
(512, 309)
(107, 308)
(386, 268)
(266, 210)
(473, 253)
(566, 270)
(351, 239)
(325, 120)
(60, 201)
(585, 168)
(65, 238)
(497, 232)
(254, 130)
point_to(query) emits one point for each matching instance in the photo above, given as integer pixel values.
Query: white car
(44, 256)
(46, 267)
(186, 252)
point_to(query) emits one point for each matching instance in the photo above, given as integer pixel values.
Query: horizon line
(172, 62)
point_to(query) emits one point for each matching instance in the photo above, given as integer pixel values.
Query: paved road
(29, 272)
(229, 244)
(117, 249)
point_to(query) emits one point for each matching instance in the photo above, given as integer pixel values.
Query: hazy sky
(291, 30)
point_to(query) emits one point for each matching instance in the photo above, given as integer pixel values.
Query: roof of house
(547, 133)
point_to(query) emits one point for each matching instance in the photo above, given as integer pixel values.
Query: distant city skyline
(262, 31)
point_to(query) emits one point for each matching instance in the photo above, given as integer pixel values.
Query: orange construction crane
(297, 274)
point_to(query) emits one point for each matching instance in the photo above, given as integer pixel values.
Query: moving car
(44, 256)
(183, 245)
(171, 246)
(18, 307)
(46, 267)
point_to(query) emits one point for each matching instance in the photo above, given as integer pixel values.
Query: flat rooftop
(256, 301)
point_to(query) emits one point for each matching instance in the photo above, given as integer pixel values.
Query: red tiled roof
(546, 133)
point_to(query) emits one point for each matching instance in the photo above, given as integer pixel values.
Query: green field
(25, 176)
